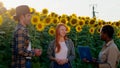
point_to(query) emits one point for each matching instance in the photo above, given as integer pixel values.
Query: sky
(108, 10)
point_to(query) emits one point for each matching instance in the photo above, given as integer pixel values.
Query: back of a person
(113, 45)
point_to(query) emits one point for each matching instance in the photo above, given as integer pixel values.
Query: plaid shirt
(19, 47)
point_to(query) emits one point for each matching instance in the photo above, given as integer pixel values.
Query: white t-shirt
(29, 49)
(63, 51)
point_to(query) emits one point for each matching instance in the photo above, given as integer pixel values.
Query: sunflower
(104, 22)
(64, 16)
(92, 22)
(68, 28)
(117, 24)
(35, 19)
(37, 13)
(32, 10)
(88, 18)
(51, 31)
(78, 28)
(113, 24)
(100, 22)
(40, 26)
(79, 17)
(11, 11)
(81, 22)
(98, 29)
(94, 18)
(118, 34)
(47, 21)
(43, 16)
(52, 14)
(109, 23)
(87, 21)
(56, 15)
(45, 11)
(91, 30)
(63, 20)
(8, 13)
(83, 18)
(55, 21)
(74, 15)
(1, 20)
(73, 21)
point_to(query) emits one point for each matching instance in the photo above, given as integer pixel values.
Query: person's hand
(62, 61)
(85, 60)
(57, 60)
(38, 52)
(94, 60)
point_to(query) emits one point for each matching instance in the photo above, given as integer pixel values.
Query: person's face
(62, 31)
(27, 18)
(103, 36)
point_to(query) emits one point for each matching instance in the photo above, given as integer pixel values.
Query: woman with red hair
(61, 50)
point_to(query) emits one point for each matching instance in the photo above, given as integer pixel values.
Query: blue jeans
(56, 65)
(28, 63)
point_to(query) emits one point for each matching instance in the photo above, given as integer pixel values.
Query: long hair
(57, 37)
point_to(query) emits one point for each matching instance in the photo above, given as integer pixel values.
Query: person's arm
(21, 44)
(50, 51)
(72, 51)
(112, 56)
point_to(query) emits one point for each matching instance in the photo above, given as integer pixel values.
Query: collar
(19, 26)
(107, 44)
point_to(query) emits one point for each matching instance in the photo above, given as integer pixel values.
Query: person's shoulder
(52, 42)
(70, 42)
(68, 39)
(113, 46)
(22, 29)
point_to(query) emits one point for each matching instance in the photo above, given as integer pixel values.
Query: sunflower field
(83, 30)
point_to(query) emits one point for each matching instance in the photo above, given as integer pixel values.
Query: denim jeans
(28, 63)
(56, 65)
